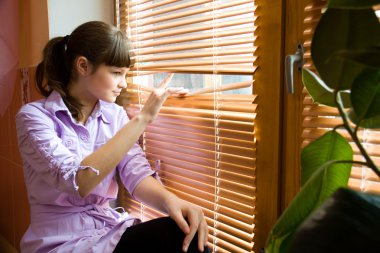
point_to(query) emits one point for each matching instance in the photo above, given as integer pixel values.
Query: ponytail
(53, 74)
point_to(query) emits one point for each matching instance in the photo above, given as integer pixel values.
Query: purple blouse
(52, 146)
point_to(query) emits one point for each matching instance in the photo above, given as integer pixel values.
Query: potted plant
(325, 216)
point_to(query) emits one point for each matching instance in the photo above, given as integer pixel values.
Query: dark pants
(158, 235)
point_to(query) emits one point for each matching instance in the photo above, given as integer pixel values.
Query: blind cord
(216, 82)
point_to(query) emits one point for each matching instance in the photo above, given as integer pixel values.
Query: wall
(39, 21)
(34, 30)
(14, 217)
(33, 34)
(64, 16)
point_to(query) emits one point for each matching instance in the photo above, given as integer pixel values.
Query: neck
(86, 100)
(86, 112)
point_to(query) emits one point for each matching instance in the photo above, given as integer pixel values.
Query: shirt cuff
(74, 174)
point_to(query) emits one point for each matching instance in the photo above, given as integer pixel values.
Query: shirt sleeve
(134, 167)
(43, 151)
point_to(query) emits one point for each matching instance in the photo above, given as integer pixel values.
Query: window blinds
(202, 146)
(221, 181)
(318, 119)
(202, 36)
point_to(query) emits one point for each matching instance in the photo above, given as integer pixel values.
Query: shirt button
(83, 137)
(68, 143)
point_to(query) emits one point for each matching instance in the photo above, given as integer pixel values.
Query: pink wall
(32, 30)
(14, 210)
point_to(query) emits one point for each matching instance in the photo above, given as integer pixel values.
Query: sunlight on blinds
(319, 119)
(203, 146)
(191, 36)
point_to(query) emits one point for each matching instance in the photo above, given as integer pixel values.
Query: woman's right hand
(158, 97)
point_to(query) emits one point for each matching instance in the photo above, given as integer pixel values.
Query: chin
(109, 99)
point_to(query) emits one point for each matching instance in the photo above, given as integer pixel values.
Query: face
(106, 82)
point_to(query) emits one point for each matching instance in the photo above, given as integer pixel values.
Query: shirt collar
(54, 103)
(100, 111)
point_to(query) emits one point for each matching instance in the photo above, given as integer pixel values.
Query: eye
(119, 71)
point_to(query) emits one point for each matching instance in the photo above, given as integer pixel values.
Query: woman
(76, 141)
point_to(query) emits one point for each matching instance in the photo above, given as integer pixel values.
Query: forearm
(106, 158)
(150, 192)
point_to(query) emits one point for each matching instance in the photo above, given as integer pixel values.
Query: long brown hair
(99, 42)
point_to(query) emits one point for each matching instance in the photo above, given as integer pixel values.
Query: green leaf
(370, 57)
(341, 29)
(329, 147)
(352, 3)
(365, 94)
(320, 92)
(373, 122)
(324, 178)
(317, 89)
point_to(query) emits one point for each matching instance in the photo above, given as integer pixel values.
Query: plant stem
(353, 134)
(338, 126)
(347, 161)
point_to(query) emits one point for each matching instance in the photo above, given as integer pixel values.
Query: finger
(167, 92)
(205, 229)
(161, 93)
(178, 91)
(165, 82)
(206, 233)
(201, 235)
(181, 223)
(194, 223)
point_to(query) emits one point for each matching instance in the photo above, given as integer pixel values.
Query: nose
(123, 83)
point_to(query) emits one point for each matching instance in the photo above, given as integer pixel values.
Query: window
(194, 139)
(204, 146)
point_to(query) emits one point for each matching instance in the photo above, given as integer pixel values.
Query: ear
(83, 66)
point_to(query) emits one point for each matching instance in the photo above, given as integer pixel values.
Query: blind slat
(206, 184)
(187, 164)
(188, 21)
(187, 63)
(223, 70)
(187, 13)
(138, 14)
(200, 141)
(233, 134)
(163, 57)
(196, 45)
(228, 181)
(239, 207)
(228, 149)
(199, 36)
(196, 154)
(151, 6)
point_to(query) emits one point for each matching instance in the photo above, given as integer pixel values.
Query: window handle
(290, 61)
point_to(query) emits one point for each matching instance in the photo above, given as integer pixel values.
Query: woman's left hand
(190, 219)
